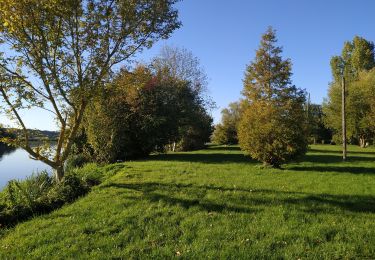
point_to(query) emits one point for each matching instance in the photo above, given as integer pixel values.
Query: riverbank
(15, 163)
(214, 203)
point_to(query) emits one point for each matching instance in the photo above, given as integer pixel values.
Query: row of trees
(274, 121)
(356, 65)
(59, 55)
(270, 122)
(226, 132)
(151, 108)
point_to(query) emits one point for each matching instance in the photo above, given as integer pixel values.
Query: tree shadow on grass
(208, 158)
(315, 150)
(343, 169)
(330, 158)
(339, 152)
(218, 157)
(244, 200)
(223, 148)
(151, 192)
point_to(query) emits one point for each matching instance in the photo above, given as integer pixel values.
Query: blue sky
(225, 34)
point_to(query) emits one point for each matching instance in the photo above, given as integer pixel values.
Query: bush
(70, 188)
(29, 191)
(270, 138)
(142, 112)
(197, 133)
(22, 199)
(224, 134)
(226, 131)
(90, 174)
(75, 161)
(39, 193)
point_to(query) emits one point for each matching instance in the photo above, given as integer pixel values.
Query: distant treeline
(35, 135)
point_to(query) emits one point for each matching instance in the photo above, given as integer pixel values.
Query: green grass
(214, 203)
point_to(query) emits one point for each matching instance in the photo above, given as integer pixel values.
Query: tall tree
(357, 56)
(273, 125)
(60, 53)
(180, 64)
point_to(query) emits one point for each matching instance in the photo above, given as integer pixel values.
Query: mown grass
(214, 203)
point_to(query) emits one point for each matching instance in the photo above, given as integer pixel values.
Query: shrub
(90, 174)
(70, 188)
(142, 112)
(196, 133)
(39, 193)
(270, 138)
(22, 199)
(75, 161)
(226, 131)
(29, 191)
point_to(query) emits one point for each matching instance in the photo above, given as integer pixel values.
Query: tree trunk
(174, 147)
(59, 173)
(343, 115)
(362, 142)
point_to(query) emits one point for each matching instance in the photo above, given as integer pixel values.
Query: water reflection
(15, 163)
(5, 149)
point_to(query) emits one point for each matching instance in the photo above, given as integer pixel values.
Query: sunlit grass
(215, 203)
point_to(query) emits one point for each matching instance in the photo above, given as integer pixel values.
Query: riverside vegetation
(214, 203)
(124, 157)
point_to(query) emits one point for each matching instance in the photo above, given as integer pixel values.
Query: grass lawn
(214, 203)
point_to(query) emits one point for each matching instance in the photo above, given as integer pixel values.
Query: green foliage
(196, 132)
(40, 193)
(355, 64)
(22, 199)
(226, 131)
(142, 112)
(359, 108)
(138, 114)
(180, 63)
(57, 54)
(75, 161)
(273, 125)
(356, 56)
(66, 191)
(194, 122)
(28, 192)
(318, 132)
(214, 204)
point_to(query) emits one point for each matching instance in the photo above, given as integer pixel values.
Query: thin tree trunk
(362, 142)
(343, 97)
(59, 173)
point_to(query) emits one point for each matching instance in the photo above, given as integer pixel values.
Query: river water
(16, 164)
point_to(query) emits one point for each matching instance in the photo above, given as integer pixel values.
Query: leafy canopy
(355, 62)
(58, 55)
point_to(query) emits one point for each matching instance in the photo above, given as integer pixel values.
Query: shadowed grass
(214, 203)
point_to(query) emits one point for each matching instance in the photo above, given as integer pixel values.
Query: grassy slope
(215, 203)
